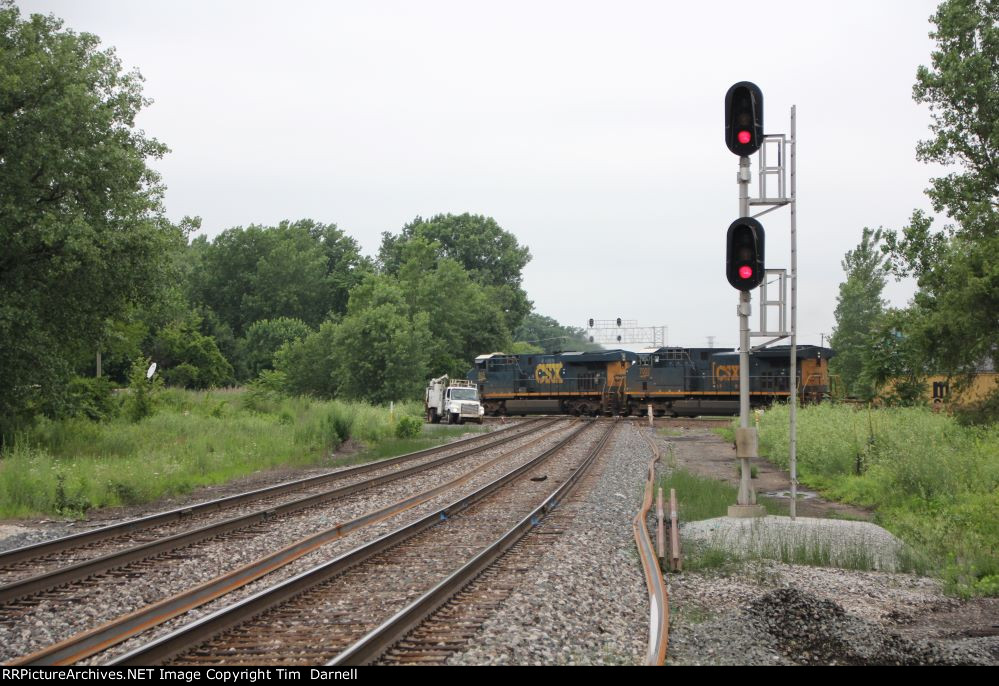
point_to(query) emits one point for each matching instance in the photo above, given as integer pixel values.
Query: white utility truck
(454, 400)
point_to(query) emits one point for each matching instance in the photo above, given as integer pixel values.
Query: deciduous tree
(859, 307)
(303, 270)
(265, 337)
(955, 312)
(383, 347)
(493, 257)
(81, 220)
(548, 334)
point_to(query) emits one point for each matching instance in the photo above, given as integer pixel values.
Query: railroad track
(457, 624)
(92, 641)
(320, 615)
(45, 565)
(12, 562)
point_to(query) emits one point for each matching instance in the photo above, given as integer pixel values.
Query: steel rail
(379, 640)
(88, 643)
(86, 537)
(658, 596)
(200, 630)
(86, 568)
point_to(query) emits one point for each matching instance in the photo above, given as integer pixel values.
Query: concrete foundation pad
(807, 540)
(744, 511)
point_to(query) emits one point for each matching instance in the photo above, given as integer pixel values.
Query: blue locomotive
(674, 381)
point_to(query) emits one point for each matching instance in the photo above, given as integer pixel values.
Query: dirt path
(701, 451)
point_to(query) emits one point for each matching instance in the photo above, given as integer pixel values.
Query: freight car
(675, 381)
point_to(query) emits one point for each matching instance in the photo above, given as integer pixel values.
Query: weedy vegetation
(190, 439)
(933, 482)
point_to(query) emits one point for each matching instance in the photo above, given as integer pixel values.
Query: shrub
(91, 398)
(184, 375)
(189, 358)
(143, 392)
(982, 413)
(342, 421)
(265, 337)
(408, 427)
(264, 394)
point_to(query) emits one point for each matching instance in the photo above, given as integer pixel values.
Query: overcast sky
(591, 131)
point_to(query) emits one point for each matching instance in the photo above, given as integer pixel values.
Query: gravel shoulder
(770, 613)
(764, 612)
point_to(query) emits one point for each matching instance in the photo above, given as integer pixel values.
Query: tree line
(91, 268)
(951, 325)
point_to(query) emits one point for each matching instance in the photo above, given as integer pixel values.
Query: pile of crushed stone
(809, 630)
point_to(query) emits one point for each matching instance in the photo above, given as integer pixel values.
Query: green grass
(194, 439)
(727, 433)
(702, 498)
(753, 471)
(933, 482)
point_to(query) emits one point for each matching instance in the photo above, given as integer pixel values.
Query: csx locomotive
(675, 381)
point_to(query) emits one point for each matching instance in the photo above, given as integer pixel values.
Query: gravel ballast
(586, 602)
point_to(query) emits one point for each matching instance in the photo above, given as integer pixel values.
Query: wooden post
(675, 562)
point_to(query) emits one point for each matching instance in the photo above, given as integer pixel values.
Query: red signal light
(744, 137)
(745, 272)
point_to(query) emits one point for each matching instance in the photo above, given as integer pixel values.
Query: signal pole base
(746, 511)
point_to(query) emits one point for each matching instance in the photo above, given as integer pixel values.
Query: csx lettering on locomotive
(548, 372)
(675, 381)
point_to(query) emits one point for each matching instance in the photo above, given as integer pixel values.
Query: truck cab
(453, 400)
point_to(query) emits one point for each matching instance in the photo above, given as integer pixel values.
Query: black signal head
(744, 118)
